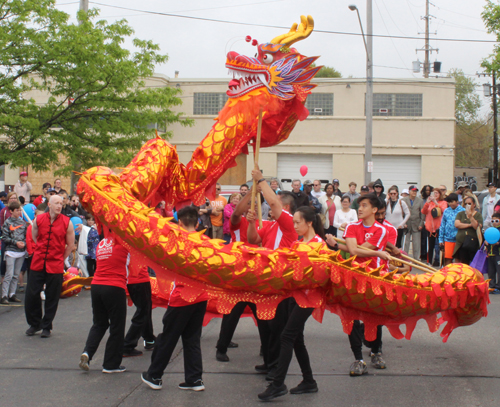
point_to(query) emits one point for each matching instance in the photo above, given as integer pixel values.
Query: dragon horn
(296, 34)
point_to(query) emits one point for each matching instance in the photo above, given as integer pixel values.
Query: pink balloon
(303, 170)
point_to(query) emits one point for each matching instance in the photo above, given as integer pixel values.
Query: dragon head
(276, 68)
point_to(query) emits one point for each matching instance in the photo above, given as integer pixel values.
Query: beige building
(413, 131)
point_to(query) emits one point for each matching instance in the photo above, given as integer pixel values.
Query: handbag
(480, 261)
(471, 242)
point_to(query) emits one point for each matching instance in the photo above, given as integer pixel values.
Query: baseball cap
(335, 181)
(365, 188)
(3, 194)
(23, 173)
(462, 184)
(491, 184)
(308, 182)
(405, 191)
(413, 188)
(46, 185)
(451, 197)
(50, 190)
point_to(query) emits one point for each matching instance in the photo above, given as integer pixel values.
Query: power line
(287, 28)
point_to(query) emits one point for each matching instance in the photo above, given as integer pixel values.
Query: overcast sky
(197, 48)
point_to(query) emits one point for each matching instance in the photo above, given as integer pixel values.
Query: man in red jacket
(54, 239)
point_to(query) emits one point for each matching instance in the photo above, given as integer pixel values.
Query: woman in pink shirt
(234, 200)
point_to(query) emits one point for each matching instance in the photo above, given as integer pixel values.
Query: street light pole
(368, 164)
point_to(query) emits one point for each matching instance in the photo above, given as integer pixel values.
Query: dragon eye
(267, 58)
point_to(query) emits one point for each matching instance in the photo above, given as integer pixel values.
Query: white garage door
(320, 166)
(402, 171)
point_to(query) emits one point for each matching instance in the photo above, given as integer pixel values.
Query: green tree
(467, 103)
(327, 72)
(98, 110)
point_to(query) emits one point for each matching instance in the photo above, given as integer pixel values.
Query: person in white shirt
(317, 192)
(345, 216)
(488, 207)
(397, 213)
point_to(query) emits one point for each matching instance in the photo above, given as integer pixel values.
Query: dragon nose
(232, 55)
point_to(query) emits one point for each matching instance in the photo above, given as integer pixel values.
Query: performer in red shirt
(54, 239)
(238, 227)
(139, 289)
(182, 319)
(109, 305)
(370, 234)
(277, 233)
(307, 224)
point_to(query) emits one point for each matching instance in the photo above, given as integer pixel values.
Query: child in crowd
(92, 242)
(14, 236)
(494, 258)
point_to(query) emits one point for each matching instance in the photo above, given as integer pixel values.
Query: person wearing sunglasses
(397, 214)
(488, 206)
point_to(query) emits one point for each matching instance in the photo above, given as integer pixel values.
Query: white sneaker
(42, 295)
(84, 362)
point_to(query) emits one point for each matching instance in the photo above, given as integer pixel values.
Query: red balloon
(303, 170)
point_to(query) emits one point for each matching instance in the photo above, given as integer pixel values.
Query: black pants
(292, 339)
(142, 324)
(91, 263)
(423, 244)
(276, 326)
(230, 322)
(433, 255)
(109, 310)
(185, 322)
(399, 240)
(494, 271)
(356, 340)
(33, 302)
(3, 264)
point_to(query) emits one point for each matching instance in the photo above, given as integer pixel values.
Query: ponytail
(309, 215)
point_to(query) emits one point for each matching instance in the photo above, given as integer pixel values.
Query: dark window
(209, 103)
(397, 104)
(320, 104)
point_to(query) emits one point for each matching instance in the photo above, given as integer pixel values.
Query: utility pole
(495, 130)
(369, 94)
(427, 46)
(84, 6)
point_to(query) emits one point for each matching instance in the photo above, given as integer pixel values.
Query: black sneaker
(119, 369)
(32, 331)
(131, 353)
(221, 357)
(149, 345)
(14, 299)
(232, 345)
(305, 387)
(155, 384)
(272, 392)
(196, 386)
(4, 301)
(45, 333)
(270, 375)
(262, 368)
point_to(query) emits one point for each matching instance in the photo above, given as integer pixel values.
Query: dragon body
(276, 82)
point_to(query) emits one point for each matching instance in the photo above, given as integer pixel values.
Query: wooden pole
(404, 256)
(256, 167)
(427, 270)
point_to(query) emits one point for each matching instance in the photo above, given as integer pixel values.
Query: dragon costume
(277, 82)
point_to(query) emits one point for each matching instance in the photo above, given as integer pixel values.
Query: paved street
(421, 372)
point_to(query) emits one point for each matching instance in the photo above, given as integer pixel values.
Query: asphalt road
(421, 372)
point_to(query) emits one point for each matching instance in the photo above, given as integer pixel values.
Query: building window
(209, 103)
(320, 104)
(397, 104)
